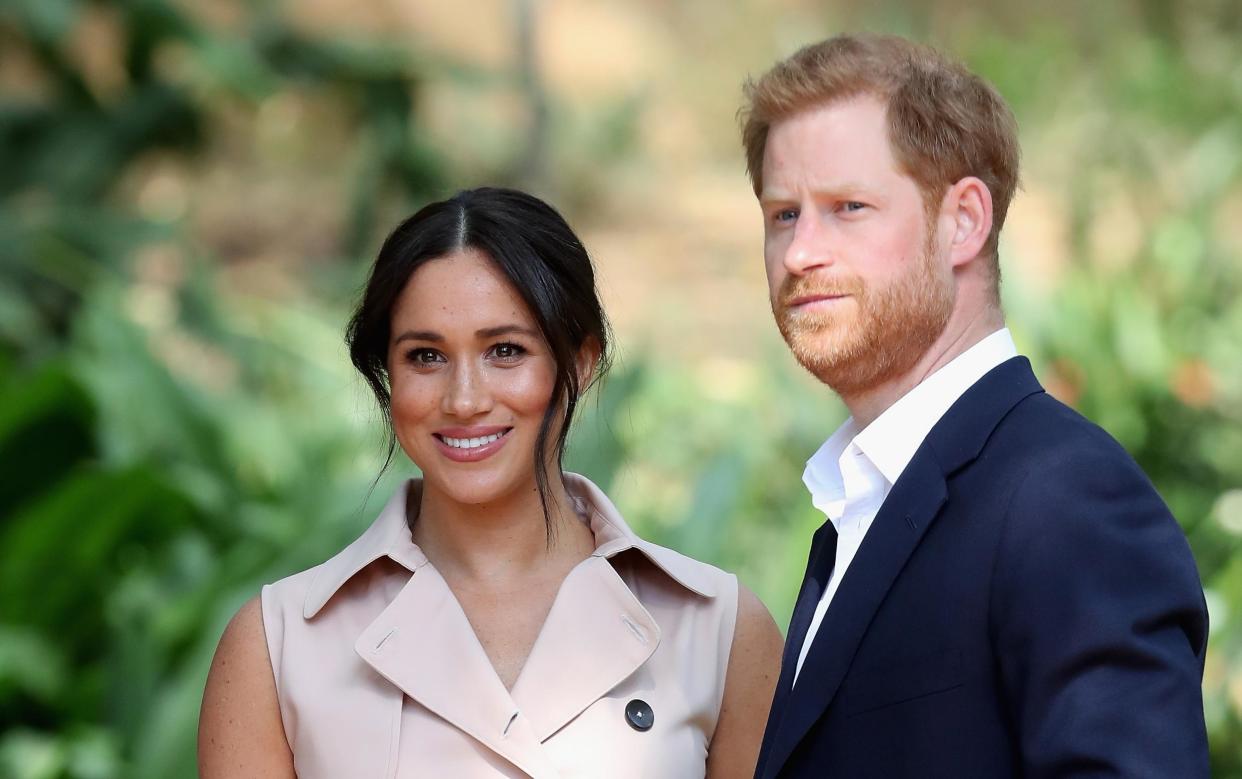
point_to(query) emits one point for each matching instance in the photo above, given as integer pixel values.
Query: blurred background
(191, 193)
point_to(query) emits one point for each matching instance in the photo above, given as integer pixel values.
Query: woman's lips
(471, 445)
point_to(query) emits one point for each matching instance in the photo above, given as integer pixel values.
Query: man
(999, 591)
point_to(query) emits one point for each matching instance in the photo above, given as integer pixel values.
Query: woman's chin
(476, 489)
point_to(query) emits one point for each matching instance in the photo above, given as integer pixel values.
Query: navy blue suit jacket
(1023, 605)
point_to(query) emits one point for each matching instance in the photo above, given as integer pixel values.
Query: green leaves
(171, 437)
(164, 451)
(47, 424)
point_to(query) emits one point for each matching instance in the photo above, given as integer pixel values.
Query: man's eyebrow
(836, 190)
(419, 335)
(771, 195)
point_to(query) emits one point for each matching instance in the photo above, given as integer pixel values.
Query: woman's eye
(423, 356)
(507, 351)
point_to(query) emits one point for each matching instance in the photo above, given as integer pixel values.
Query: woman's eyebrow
(492, 332)
(419, 335)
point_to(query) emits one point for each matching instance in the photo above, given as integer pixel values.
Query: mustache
(797, 287)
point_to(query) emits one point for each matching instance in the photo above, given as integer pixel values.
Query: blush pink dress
(379, 673)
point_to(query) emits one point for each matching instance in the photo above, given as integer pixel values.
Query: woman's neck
(502, 541)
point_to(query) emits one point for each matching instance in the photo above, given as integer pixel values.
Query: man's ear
(968, 207)
(585, 362)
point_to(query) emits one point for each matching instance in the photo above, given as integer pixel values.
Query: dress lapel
(423, 644)
(596, 635)
(597, 632)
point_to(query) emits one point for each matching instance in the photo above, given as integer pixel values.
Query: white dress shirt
(852, 473)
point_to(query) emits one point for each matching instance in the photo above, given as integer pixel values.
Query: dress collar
(389, 536)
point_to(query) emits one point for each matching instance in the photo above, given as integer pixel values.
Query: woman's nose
(467, 393)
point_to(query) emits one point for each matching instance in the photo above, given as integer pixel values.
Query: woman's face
(471, 378)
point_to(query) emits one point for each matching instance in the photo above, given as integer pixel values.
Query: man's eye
(852, 205)
(785, 215)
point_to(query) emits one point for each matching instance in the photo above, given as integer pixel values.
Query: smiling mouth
(468, 444)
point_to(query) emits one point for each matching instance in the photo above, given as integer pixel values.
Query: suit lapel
(910, 509)
(813, 583)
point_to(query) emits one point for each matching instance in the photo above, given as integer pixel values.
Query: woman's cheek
(412, 403)
(530, 390)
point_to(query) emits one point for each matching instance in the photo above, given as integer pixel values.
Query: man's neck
(959, 334)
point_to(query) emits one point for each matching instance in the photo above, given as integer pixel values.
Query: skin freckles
(470, 378)
(466, 355)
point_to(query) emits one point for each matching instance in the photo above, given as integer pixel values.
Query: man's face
(859, 283)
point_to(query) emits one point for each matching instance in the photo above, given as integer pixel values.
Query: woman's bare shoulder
(240, 731)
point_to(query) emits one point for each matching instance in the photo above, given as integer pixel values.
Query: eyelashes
(508, 351)
(505, 352)
(423, 356)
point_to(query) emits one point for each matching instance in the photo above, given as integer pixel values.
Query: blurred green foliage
(167, 447)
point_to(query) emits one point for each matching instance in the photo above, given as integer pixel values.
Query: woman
(499, 618)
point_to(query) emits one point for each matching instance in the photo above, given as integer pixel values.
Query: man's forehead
(843, 142)
(864, 108)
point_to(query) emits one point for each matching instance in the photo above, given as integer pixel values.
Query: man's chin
(825, 356)
(845, 362)
(827, 333)
(828, 344)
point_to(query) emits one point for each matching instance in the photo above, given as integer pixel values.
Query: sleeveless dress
(379, 673)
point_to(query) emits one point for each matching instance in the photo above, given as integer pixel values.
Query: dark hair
(541, 257)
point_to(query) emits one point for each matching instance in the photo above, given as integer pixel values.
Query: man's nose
(467, 394)
(810, 246)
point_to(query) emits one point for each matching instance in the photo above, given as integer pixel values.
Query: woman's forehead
(464, 290)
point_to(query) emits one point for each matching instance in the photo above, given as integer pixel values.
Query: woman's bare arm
(754, 665)
(240, 733)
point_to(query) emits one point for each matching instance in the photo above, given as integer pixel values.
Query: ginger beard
(878, 334)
